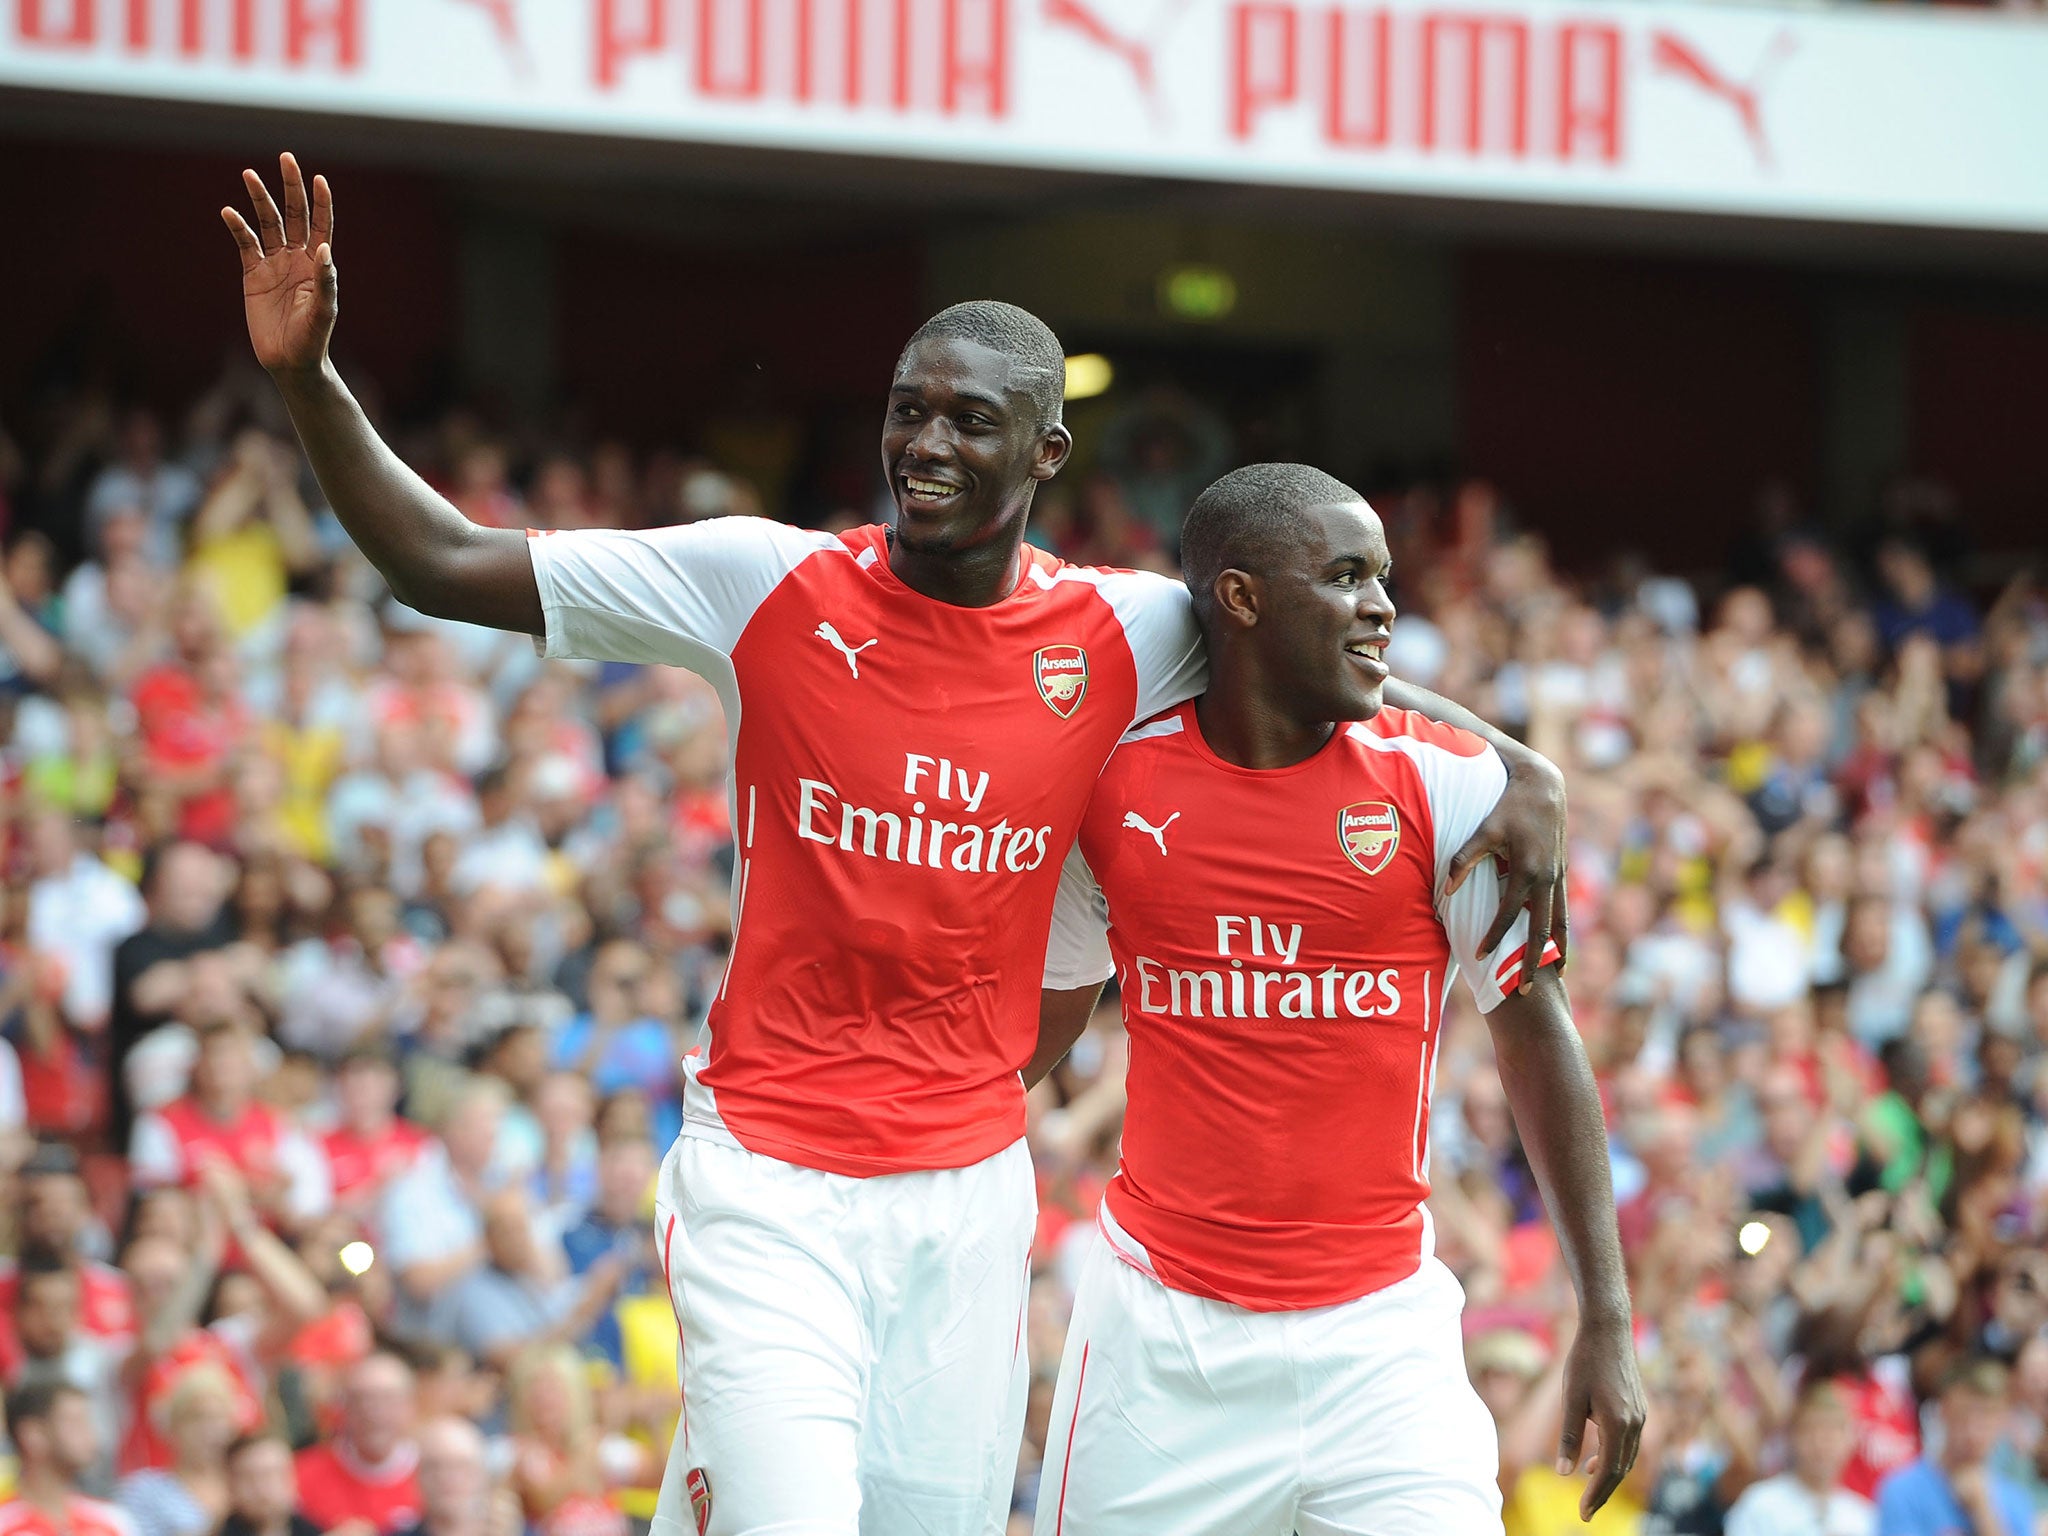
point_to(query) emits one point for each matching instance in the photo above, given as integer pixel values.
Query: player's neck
(1243, 727)
(978, 577)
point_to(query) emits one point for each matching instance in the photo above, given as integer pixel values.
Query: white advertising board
(1871, 114)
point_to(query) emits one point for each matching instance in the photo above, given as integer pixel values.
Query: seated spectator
(79, 910)
(1957, 1490)
(56, 1219)
(263, 1490)
(221, 1118)
(1808, 1499)
(617, 1043)
(56, 1351)
(198, 1420)
(520, 1297)
(456, 1497)
(371, 1145)
(620, 1221)
(141, 476)
(185, 887)
(428, 1225)
(563, 1178)
(54, 1443)
(342, 992)
(368, 1471)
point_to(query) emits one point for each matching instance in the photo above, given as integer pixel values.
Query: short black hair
(1247, 518)
(1038, 364)
(36, 1400)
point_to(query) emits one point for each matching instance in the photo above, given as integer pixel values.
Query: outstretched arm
(1526, 830)
(435, 559)
(1556, 1107)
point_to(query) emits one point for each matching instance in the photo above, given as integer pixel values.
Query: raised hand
(289, 287)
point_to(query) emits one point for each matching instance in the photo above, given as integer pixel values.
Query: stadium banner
(1863, 113)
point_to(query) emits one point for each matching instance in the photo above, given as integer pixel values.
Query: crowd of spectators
(347, 958)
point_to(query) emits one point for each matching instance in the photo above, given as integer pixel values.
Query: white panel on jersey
(659, 596)
(1077, 948)
(1159, 626)
(1462, 791)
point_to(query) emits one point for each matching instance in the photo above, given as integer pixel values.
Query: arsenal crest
(700, 1498)
(1061, 672)
(1369, 832)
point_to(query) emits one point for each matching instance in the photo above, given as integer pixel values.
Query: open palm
(289, 287)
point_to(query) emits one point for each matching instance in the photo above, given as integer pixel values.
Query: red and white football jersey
(1283, 946)
(907, 778)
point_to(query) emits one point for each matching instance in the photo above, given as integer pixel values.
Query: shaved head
(1038, 365)
(1248, 520)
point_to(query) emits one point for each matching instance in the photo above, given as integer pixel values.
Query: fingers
(269, 227)
(1570, 1438)
(295, 211)
(323, 213)
(1477, 846)
(1512, 900)
(1540, 908)
(245, 239)
(1609, 1469)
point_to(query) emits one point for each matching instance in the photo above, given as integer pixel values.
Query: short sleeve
(1077, 950)
(665, 595)
(1158, 622)
(1462, 791)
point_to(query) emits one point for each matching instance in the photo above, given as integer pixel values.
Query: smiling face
(1324, 617)
(963, 447)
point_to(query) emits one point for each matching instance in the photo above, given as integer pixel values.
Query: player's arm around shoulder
(1525, 830)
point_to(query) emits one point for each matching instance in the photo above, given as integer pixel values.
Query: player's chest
(1295, 867)
(847, 678)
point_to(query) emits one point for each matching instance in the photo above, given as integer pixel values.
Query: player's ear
(1237, 597)
(1055, 445)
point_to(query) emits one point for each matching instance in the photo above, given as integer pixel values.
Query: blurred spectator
(220, 1118)
(1957, 1489)
(520, 1296)
(431, 1217)
(252, 535)
(1808, 1498)
(263, 1490)
(456, 1497)
(369, 1145)
(142, 478)
(79, 911)
(557, 1469)
(185, 887)
(54, 1443)
(617, 1044)
(53, 1349)
(198, 1420)
(368, 1471)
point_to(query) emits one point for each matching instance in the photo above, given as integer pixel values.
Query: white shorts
(1176, 1415)
(852, 1360)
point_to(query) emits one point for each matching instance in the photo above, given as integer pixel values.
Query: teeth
(928, 488)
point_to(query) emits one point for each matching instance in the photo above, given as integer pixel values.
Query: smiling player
(917, 714)
(1264, 1343)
